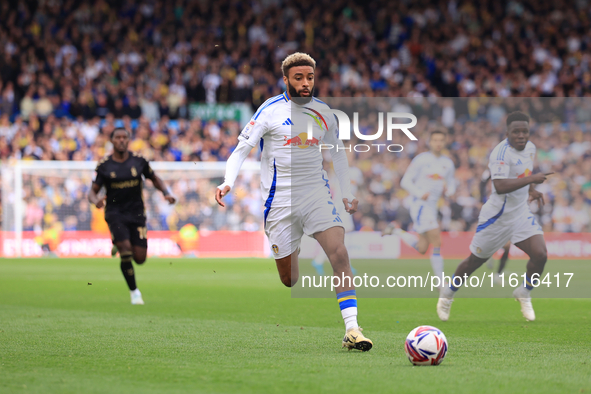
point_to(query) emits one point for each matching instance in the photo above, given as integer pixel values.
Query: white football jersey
(291, 163)
(428, 173)
(506, 162)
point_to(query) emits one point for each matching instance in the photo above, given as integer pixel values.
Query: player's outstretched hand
(101, 203)
(171, 200)
(540, 177)
(350, 208)
(535, 195)
(425, 196)
(219, 194)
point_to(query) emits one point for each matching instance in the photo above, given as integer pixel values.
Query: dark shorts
(124, 228)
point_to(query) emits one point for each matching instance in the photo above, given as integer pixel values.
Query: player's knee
(540, 256)
(339, 258)
(139, 259)
(288, 279)
(422, 245)
(475, 262)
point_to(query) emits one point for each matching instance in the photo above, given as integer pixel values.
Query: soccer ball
(426, 345)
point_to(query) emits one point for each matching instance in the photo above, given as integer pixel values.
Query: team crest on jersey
(133, 171)
(275, 249)
(113, 175)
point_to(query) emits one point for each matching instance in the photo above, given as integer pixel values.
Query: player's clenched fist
(535, 195)
(220, 193)
(171, 200)
(101, 203)
(540, 177)
(350, 207)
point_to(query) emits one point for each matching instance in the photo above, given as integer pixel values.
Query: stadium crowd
(71, 71)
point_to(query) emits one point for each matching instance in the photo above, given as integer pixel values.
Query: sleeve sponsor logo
(247, 129)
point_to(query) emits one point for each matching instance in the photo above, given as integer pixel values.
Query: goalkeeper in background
(122, 175)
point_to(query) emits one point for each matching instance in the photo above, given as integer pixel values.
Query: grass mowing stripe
(238, 330)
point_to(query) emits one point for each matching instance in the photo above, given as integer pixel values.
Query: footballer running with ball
(295, 189)
(506, 215)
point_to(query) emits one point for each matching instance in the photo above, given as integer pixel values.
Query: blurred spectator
(562, 215)
(140, 65)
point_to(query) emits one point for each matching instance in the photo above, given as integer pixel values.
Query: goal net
(45, 211)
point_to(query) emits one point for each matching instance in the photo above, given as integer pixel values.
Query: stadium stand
(71, 71)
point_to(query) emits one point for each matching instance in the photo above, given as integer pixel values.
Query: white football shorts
(285, 226)
(495, 229)
(424, 216)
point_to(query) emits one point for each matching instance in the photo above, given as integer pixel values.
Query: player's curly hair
(295, 60)
(517, 116)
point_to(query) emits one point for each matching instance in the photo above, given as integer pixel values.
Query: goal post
(45, 210)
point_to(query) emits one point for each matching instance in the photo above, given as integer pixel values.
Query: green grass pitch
(229, 326)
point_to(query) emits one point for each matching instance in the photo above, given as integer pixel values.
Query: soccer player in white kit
(506, 215)
(294, 185)
(426, 178)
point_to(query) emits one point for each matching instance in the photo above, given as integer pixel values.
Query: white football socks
(447, 292)
(350, 317)
(437, 264)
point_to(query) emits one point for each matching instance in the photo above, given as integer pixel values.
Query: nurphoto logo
(344, 130)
